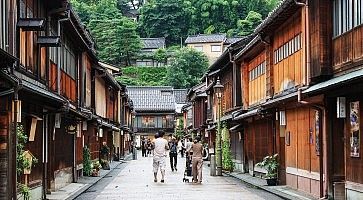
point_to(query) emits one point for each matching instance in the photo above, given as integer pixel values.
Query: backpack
(173, 148)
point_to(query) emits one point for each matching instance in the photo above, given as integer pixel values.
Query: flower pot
(271, 181)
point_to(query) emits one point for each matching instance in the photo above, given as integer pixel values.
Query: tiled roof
(146, 98)
(205, 38)
(180, 95)
(233, 40)
(153, 43)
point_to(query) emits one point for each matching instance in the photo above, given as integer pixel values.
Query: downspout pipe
(59, 50)
(321, 109)
(307, 41)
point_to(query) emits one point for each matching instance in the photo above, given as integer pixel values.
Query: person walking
(173, 154)
(143, 146)
(160, 146)
(149, 147)
(197, 160)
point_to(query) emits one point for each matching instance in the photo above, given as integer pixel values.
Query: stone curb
(82, 190)
(265, 188)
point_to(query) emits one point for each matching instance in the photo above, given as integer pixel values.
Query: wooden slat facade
(348, 50)
(5, 115)
(289, 71)
(257, 85)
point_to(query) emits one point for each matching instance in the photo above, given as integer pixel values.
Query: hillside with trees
(118, 37)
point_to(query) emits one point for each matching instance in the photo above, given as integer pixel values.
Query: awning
(41, 91)
(31, 24)
(211, 128)
(236, 128)
(278, 100)
(49, 41)
(247, 114)
(343, 79)
(203, 94)
(106, 124)
(226, 117)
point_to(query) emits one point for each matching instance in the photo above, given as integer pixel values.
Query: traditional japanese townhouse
(342, 94)
(289, 53)
(198, 98)
(226, 69)
(8, 98)
(127, 120)
(106, 95)
(155, 109)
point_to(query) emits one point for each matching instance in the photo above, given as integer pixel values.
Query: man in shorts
(160, 147)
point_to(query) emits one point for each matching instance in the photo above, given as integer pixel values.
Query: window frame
(215, 45)
(198, 47)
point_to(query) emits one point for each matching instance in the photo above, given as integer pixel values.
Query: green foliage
(87, 168)
(165, 18)
(271, 164)
(179, 131)
(178, 18)
(22, 162)
(227, 163)
(115, 35)
(187, 68)
(143, 76)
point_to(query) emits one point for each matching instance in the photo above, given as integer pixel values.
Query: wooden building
(197, 96)
(155, 110)
(56, 90)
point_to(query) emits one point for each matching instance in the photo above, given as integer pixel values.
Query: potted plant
(271, 165)
(96, 166)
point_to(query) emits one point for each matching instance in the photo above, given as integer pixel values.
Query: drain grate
(89, 191)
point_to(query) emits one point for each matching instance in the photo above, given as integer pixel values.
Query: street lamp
(218, 87)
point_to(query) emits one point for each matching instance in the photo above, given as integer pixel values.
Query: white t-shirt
(160, 146)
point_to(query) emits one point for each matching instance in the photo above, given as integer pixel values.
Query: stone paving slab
(135, 182)
(72, 190)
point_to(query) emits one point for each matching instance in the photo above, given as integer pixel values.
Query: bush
(87, 164)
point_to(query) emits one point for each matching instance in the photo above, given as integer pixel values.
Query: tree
(247, 26)
(116, 37)
(187, 68)
(165, 18)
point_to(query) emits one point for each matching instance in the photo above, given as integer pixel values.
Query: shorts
(159, 162)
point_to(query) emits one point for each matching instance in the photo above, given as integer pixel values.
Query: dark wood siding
(320, 34)
(4, 133)
(348, 49)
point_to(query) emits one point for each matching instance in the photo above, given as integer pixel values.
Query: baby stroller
(188, 168)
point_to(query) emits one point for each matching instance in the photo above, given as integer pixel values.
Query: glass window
(198, 48)
(216, 48)
(148, 122)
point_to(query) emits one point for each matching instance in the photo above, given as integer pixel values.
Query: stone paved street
(134, 180)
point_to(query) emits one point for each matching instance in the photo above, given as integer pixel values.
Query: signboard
(354, 129)
(341, 107)
(282, 118)
(317, 133)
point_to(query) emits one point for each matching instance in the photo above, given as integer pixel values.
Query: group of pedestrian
(146, 147)
(193, 149)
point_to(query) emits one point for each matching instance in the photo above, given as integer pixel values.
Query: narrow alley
(134, 180)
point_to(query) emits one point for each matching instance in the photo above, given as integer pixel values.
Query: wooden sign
(317, 133)
(29, 156)
(341, 107)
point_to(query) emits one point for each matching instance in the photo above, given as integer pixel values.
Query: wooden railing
(348, 49)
